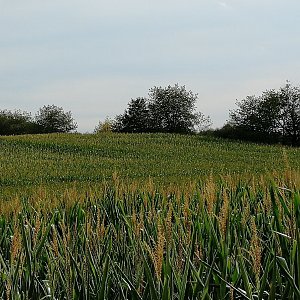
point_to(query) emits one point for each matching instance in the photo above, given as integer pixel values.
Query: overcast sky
(93, 56)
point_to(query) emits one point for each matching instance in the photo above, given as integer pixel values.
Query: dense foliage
(105, 126)
(170, 109)
(210, 239)
(17, 122)
(49, 119)
(272, 117)
(53, 119)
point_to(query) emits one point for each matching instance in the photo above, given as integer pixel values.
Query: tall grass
(208, 239)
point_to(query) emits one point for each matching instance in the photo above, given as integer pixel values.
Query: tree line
(48, 119)
(171, 109)
(273, 117)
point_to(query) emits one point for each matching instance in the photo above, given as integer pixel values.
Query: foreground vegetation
(203, 240)
(81, 219)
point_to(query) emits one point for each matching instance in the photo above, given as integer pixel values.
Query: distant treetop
(52, 118)
(49, 118)
(271, 117)
(170, 109)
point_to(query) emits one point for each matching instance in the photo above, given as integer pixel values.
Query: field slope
(148, 216)
(62, 158)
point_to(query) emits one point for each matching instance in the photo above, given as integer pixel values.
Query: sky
(91, 57)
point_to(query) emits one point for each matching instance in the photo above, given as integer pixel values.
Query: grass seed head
(223, 217)
(256, 250)
(16, 244)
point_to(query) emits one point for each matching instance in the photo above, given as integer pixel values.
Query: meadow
(148, 216)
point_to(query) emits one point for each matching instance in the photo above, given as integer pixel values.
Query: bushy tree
(290, 113)
(202, 122)
(170, 109)
(136, 117)
(272, 117)
(106, 126)
(53, 119)
(258, 114)
(16, 122)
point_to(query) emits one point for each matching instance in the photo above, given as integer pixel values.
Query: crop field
(148, 216)
(69, 158)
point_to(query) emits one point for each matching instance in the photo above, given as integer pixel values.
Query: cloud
(223, 4)
(92, 56)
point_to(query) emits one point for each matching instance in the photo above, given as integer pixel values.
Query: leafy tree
(17, 122)
(259, 114)
(290, 113)
(170, 109)
(202, 123)
(272, 117)
(106, 126)
(53, 119)
(135, 118)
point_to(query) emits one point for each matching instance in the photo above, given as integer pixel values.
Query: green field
(148, 216)
(65, 158)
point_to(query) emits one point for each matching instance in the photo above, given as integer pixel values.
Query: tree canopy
(170, 109)
(51, 118)
(136, 117)
(17, 122)
(272, 117)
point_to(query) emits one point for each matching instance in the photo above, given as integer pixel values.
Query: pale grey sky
(92, 57)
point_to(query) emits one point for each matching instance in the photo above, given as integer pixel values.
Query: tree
(53, 119)
(17, 122)
(272, 117)
(258, 114)
(170, 109)
(290, 113)
(202, 122)
(106, 126)
(135, 118)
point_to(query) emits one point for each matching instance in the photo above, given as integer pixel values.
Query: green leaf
(46, 234)
(104, 279)
(166, 289)
(284, 267)
(245, 277)
(132, 289)
(150, 280)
